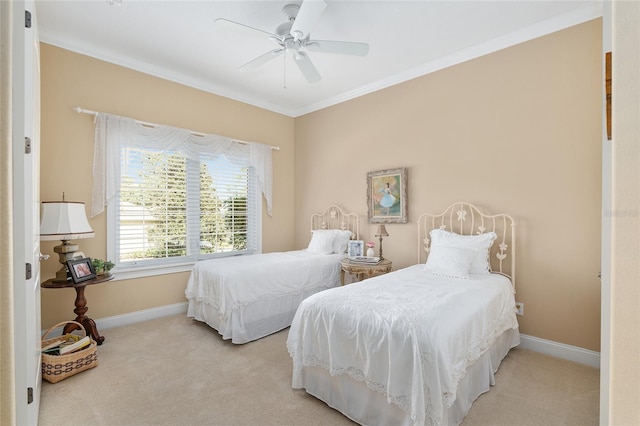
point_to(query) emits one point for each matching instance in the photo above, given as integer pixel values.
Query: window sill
(150, 271)
(127, 273)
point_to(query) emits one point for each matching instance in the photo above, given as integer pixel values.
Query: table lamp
(382, 232)
(64, 221)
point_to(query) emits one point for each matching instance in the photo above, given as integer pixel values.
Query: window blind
(174, 208)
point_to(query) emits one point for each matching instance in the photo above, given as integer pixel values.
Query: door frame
(25, 109)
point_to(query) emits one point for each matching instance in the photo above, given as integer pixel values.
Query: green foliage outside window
(160, 188)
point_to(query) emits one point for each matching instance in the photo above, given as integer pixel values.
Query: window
(170, 209)
(170, 204)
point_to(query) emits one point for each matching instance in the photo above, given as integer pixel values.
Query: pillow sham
(479, 243)
(341, 240)
(452, 262)
(322, 241)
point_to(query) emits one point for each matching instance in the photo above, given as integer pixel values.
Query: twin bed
(416, 346)
(413, 347)
(248, 297)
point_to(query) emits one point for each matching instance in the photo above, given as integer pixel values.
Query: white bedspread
(233, 282)
(407, 334)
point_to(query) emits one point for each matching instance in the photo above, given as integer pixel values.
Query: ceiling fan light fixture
(290, 45)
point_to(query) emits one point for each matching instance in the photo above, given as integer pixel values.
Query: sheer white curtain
(113, 132)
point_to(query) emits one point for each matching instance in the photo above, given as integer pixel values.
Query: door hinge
(29, 395)
(27, 145)
(27, 19)
(28, 271)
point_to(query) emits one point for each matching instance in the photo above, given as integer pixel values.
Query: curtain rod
(145, 123)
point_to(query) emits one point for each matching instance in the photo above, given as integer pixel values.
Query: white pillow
(321, 241)
(452, 262)
(341, 240)
(479, 243)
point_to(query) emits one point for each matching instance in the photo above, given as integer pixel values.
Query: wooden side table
(364, 270)
(81, 305)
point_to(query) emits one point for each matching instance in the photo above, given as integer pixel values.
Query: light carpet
(177, 371)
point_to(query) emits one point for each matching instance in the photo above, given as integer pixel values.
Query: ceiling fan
(293, 37)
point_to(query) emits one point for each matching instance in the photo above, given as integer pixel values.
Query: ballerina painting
(387, 195)
(388, 199)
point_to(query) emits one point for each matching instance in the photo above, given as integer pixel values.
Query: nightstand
(364, 270)
(81, 305)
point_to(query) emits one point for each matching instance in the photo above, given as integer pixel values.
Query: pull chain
(284, 74)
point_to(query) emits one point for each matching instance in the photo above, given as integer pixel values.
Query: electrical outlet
(520, 308)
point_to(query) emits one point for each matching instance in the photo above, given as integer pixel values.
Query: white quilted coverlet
(231, 282)
(407, 334)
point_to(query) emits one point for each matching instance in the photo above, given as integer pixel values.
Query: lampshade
(64, 220)
(382, 231)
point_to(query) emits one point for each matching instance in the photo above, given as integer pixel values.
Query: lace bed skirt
(366, 406)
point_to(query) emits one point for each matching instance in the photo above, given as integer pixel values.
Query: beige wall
(70, 80)
(517, 131)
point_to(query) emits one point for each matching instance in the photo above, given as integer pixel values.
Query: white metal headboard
(336, 218)
(466, 219)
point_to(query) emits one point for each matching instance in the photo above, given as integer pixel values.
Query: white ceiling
(178, 41)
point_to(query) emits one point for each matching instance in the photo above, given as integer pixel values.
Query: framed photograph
(387, 196)
(81, 269)
(355, 248)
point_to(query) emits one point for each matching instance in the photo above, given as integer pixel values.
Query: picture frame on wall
(81, 269)
(387, 196)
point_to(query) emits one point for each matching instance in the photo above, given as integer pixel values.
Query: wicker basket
(59, 367)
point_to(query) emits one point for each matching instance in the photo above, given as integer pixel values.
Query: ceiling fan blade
(261, 60)
(309, 12)
(236, 26)
(306, 66)
(341, 47)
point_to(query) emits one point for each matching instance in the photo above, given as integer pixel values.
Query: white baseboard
(144, 315)
(135, 317)
(560, 350)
